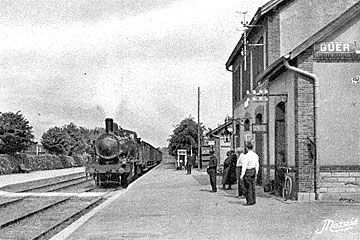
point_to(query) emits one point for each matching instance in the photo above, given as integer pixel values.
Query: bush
(7, 164)
(10, 163)
(81, 160)
(44, 162)
(67, 161)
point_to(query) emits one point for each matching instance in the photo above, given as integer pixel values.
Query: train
(120, 156)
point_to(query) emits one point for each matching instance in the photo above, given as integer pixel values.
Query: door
(280, 143)
(259, 149)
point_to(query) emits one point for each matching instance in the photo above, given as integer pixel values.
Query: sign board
(335, 47)
(328, 51)
(205, 150)
(211, 143)
(247, 136)
(259, 128)
(259, 98)
(181, 151)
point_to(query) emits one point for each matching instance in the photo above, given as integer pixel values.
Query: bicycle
(287, 185)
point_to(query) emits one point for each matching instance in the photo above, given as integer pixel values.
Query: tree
(90, 136)
(15, 133)
(70, 140)
(185, 136)
(56, 141)
(77, 142)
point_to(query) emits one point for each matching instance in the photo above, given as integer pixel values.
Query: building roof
(328, 30)
(261, 12)
(219, 129)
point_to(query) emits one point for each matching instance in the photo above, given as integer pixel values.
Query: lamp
(227, 134)
(261, 96)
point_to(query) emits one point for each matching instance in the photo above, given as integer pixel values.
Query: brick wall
(273, 38)
(304, 108)
(336, 183)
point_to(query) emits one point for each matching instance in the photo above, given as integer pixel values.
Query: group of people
(241, 167)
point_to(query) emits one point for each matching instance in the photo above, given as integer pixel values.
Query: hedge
(10, 163)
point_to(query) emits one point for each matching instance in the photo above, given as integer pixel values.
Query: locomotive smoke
(109, 96)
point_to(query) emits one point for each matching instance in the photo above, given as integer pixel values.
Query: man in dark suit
(211, 170)
(189, 164)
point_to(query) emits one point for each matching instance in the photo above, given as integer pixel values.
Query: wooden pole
(199, 147)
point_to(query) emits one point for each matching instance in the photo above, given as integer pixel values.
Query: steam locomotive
(120, 156)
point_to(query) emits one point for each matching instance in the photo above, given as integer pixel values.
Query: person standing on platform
(250, 168)
(124, 176)
(241, 155)
(189, 164)
(211, 170)
(226, 171)
(232, 171)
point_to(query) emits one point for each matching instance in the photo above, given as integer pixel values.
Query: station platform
(168, 204)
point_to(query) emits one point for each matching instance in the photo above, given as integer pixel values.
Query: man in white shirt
(250, 168)
(241, 156)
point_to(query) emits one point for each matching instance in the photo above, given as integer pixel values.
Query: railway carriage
(120, 156)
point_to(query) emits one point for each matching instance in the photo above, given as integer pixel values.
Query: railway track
(49, 185)
(37, 218)
(31, 212)
(52, 187)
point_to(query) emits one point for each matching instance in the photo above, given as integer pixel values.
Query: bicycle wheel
(287, 188)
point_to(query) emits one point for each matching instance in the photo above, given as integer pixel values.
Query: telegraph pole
(247, 26)
(199, 142)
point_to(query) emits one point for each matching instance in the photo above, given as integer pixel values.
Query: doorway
(259, 149)
(280, 143)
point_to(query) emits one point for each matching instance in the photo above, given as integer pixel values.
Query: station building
(295, 75)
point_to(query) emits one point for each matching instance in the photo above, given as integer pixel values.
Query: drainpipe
(233, 143)
(316, 100)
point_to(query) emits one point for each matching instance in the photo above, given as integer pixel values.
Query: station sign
(328, 51)
(335, 47)
(259, 128)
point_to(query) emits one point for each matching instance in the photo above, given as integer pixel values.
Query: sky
(138, 62)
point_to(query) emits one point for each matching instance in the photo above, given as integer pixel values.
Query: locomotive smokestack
(109, 125)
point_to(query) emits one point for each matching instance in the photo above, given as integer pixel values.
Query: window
(247, 125)
(236, 85)
(257, 60)
(245, 77)
(237, 136)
